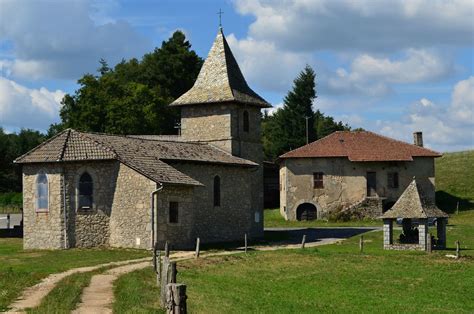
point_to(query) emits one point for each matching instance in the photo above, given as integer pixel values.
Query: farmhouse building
(355, 174)
(87, 189)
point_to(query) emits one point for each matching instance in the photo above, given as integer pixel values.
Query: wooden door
(371, 183)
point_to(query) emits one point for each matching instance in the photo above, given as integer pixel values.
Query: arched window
(217, 191)
(246, 121)
(42, 192)
(85, 191)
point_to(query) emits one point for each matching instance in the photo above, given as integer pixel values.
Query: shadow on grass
(282, 236)
(448, 202)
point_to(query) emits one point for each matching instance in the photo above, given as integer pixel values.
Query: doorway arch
(306, 211)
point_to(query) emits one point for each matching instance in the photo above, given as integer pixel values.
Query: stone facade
(222, 125)
(345, 182)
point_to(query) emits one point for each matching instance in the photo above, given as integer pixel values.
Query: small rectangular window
(318, 180)
(173, 213)
(392, 180)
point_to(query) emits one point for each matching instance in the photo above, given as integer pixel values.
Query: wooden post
(457, 208)
(198, 242)
(245, 240)
(176, 298)
(167, 249)
(173, 272)
(429, 246)
(165, 275)
(361, 244)
(8, 221)
(303, 241)
(458, 249)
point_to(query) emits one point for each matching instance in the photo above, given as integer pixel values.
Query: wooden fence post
(198, 242)
(245, 240)
(173, 272)
(8, 221)
(361, 244)
(176, 298)
(303, 241)
(167, 249)
(458, 249)
(165, 275)
(457, 208)
(157, 263)
(429, 246)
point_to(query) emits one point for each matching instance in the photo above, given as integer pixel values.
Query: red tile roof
(361, 146)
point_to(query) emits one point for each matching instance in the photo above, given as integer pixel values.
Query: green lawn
(272, 218)
(455, 181)
(333, 278)
(20, 269)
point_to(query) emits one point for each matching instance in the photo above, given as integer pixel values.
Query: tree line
(133, 97)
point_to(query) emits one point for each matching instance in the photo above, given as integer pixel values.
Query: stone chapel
(89, 189)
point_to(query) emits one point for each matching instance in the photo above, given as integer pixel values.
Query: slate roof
(220, 80)
(413, 204)
(361, 146)
(146, 156)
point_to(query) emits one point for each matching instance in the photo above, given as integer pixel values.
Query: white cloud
(61, 40)
(445, 128)
(264, 65)
(372, 75)
(384, 25)
(21, 106)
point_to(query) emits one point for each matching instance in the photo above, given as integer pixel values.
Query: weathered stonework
(345, 182)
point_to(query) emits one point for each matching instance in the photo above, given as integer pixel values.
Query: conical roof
(220, 80)
(414, 204)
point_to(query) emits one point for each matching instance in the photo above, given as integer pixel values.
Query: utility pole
(307, 130)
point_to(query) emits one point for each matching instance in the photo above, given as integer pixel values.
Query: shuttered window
(173, 213)
(217, 191)
(392, 180)
(318, 180)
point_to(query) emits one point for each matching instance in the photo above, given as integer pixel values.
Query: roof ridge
(403, 142)
(99, 145)
(61, 156)
(41, 145)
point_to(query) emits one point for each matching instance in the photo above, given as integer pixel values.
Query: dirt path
(98, 297)
(32, 296)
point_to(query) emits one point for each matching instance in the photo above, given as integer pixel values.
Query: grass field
(455, 181)
(333, 278)
(20, 269)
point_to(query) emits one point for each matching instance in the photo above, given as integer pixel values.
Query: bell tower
(222, 110)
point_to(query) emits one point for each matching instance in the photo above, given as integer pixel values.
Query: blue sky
(390, 66)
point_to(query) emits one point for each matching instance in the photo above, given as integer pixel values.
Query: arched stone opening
(306, 211)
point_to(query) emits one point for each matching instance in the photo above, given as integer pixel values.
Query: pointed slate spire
(413, 204)
(220, 80)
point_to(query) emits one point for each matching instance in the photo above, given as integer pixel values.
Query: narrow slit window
(217, 191)
(392, 180)
(42, 192)
(86, 189)
(318, 180)
(173, 213)
(246, 121)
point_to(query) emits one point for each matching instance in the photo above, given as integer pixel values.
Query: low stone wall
(405, 247)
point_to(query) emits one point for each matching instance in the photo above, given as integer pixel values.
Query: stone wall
(233, 218)
(345, 182)
(130, 220)
(43, 230)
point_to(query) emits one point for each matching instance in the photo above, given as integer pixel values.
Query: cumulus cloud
(371, 75)
(367, 25)
(266, 66)
(61, 40)
(22, 106)
(446, 128)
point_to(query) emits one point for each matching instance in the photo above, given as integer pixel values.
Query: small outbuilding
(416, 212)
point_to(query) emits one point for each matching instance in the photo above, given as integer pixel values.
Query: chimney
(418, 138)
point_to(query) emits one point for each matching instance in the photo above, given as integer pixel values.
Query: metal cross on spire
(220, 17)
